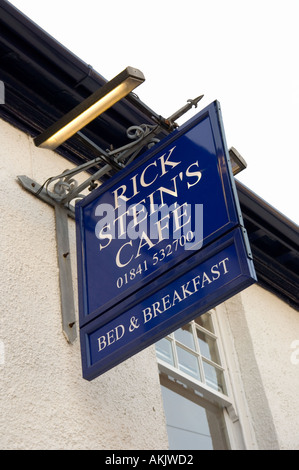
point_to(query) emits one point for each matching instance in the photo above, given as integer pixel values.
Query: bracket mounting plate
(63, 254)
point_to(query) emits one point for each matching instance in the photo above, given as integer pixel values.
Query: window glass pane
(188, 363)
(214, 377)
(185, 336)
(208, 347)
(190, 424)
(205, 321)
(164, 351)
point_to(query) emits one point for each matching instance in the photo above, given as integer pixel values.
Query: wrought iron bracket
(63, 255)
(66, 189)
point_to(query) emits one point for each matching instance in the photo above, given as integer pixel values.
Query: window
(193, 349)
(194, 388)
(192, 422)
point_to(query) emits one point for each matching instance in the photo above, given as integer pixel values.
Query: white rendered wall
(44, 402)
(274, 328)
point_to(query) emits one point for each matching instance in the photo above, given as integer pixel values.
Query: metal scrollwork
(142, 137)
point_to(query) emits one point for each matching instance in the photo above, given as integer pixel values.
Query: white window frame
(225, 401)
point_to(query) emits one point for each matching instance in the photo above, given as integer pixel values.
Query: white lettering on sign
(185, 290)
(153, 209)
(165, 303)
(111, 337)
(125, 194)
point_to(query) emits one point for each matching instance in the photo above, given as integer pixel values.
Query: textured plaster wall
(44, 402)
(263, 329)
(274, 328)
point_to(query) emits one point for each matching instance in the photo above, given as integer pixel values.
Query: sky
(243, 53)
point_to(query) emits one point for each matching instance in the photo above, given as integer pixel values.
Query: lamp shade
(237, 161)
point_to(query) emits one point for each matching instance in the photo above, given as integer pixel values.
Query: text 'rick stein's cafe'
(149, 300)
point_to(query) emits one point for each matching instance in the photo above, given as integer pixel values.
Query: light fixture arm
(66, 189)
(89, 109)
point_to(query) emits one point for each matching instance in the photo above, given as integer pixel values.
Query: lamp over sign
(85, 112)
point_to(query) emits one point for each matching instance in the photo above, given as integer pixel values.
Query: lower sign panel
(208, 278)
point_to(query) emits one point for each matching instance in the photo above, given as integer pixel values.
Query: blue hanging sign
(175, 199)
(147, 224)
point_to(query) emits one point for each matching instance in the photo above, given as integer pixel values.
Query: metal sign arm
(63, 255)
